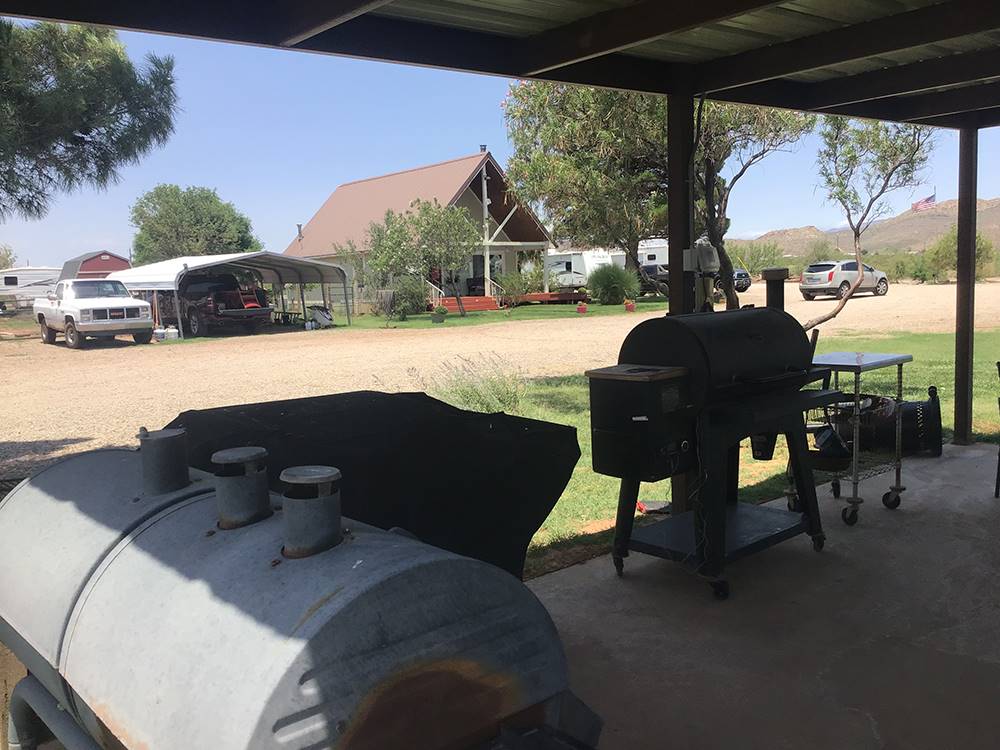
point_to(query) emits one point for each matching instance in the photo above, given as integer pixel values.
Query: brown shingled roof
(349, 210)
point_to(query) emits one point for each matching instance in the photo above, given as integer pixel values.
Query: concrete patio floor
(889, 638)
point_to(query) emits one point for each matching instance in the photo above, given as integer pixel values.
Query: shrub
(410, 297)
(486, 384)
(756, 256)
(514, 285)
(611, 285)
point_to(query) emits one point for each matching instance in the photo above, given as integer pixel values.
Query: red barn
(93, 266)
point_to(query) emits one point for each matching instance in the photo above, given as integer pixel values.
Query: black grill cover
(479, 485)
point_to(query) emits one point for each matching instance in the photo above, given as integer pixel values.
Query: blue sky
(276, 131)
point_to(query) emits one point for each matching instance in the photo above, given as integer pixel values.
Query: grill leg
(710, 510)
(733, 475)
(628, 496)
(805, 484)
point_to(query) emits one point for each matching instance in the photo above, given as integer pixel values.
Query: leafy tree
(73, 110)
(594, 161)
(172, 223)
(860, 163)
(942, 256)
(7, 256)
(445, 238)
(741, 136)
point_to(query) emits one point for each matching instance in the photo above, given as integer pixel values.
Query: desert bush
(485, 384)
(410, 297)
(756, 256)
(611, 285)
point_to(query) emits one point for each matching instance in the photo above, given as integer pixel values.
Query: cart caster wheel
(835, 488)
(819, 541)
(850, 515)
(793, 503)
(619, 566)
(720, 589)
(891, 500)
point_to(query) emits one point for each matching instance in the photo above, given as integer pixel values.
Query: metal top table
(859, 361)
(856, 363)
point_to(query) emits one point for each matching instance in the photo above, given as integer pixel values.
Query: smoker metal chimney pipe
(311, 508)
(164, 460)
(241, 491)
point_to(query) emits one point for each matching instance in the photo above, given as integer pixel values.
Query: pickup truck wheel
(142, 337)
(74, 339)
(48, 335)
(195, 325)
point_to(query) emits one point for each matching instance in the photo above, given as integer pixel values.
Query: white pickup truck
(79, 308)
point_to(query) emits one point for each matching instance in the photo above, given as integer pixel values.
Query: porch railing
(434, 294)
(496, 291)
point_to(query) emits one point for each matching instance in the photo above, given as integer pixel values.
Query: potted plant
(629, 305)
(581, 308)
(437, 316)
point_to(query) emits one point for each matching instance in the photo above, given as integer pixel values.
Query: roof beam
(926, 106)
(913, 78)
(307, 18)
(620, 28)
(928, 25)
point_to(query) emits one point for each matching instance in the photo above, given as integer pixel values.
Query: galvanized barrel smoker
(157, 606)
(686, 391)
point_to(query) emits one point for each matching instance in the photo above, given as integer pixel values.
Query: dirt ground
(58, 401)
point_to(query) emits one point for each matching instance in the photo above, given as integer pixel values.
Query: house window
(10, 280)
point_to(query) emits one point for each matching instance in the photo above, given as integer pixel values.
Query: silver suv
(835, 277)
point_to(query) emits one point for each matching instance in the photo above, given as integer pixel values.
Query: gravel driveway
(58, 401)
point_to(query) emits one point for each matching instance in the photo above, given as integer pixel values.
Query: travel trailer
(571, 269)
(20, 286)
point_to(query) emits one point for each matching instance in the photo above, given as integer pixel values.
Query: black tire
(808, 296)
(891, 500)
(842, 290)
(48, 335)
(881, 288)
(849, 515)
(142, 337)
(195, 325)
(74, 339)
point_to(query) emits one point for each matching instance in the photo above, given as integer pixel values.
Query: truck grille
(116, 313)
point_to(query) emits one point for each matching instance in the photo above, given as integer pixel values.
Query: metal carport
(272, 268)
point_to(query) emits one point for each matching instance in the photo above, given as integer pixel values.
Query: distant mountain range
(910, 230)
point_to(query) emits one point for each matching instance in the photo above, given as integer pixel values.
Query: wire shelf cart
(856, 363)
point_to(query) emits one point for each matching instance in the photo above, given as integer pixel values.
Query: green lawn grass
(579, 526)
(535, 311)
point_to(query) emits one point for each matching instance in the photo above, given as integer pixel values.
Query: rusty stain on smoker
(460, 702)
(314, 608)
(115, 735)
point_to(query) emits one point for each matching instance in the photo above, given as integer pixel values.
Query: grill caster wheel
(835, 488)
(720, 589)
(850, 515)
(819, 541)
(619, 565)
(891, 500)
(793, 503)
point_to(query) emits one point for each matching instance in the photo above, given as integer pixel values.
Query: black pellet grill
(686, 391)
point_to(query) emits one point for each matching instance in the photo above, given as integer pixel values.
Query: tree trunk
(850, 292)
(714, 225)
(455, 287)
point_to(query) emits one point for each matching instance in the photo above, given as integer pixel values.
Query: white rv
(20, 286)
(571, 269)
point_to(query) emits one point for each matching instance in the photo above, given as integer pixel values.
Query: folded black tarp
(477, 484)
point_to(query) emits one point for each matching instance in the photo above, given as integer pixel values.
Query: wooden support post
(680, 144)
(965, 297)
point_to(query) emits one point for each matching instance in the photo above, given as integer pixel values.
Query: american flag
(924, 203)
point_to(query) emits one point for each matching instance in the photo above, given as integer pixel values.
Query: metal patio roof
(910, 60)
(274, 268)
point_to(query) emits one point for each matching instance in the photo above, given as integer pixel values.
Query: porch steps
(471, 304)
